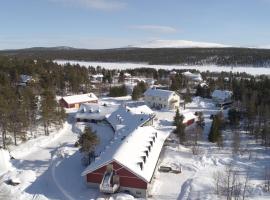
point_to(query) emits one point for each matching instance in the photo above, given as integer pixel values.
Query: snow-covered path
(42, 160)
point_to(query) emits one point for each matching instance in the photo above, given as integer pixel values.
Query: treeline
(22, 110)
(190, 56)
(253, 97)
(26, 107)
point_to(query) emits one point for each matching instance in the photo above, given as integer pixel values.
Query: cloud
(105, 5)
(154, 28)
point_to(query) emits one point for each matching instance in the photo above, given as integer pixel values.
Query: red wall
(66, 105)
(127, 179)
(189, 122)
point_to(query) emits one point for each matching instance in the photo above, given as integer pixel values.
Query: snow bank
(5, 164)
(34, 144)
(9, 192)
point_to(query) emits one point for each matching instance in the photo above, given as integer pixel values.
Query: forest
(25, 108)
(186, 56)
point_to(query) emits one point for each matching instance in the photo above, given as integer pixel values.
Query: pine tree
(215, 135)
(87, 142)
(211, 135)
(187, 97)
(180, 131)
(4, 113)
(48, 109)
(200, 121)
(138, 90)
(177, 118)
(29, 105)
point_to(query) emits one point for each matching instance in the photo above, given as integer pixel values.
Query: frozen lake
(211, 68)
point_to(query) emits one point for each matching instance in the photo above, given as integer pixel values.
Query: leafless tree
(245, 185)
(235, 141)
(267, 178)
(217, 176)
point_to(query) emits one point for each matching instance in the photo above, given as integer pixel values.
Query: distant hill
(177, 44)
(185, 56)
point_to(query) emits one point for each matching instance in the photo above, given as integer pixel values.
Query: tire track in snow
(54, 163)
(185, 190)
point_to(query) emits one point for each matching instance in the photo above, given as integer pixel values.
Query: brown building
(75, 101)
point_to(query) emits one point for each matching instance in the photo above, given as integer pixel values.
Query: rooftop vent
(154, 139)
(151, 143)
(156, 134)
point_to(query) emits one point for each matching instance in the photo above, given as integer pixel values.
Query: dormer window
(140, 165)
(146, 153)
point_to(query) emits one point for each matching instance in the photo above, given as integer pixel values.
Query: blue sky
(118, 23)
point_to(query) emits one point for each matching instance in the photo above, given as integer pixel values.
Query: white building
(192, 78)
(158, 98)
(94, 112)
(97, 78)
(222, 96)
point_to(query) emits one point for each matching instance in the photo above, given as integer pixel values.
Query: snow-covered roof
(127, 74)
(194, 77)
(129, 118)
(158, 93)
(94, 111)
(188, 115)
(203, 84)
(97, 75)
(128, 148)
(25, 78)
(222, 95)
(131, 141)
(80, 98)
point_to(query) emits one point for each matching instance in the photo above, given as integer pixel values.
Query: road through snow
(43, 160)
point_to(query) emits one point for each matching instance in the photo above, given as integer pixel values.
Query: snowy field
(212, 68)
(50, 167)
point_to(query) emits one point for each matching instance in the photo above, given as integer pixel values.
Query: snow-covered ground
(212, 68)
(177, 44)
(196, 180)
(50, 167)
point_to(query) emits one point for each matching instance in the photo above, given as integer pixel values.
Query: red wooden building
(128, 163)
(75, 101)
(189, 118)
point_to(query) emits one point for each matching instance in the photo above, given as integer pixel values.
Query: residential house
(158, 98)
(222, 97)
(97, 78)
(192, 79)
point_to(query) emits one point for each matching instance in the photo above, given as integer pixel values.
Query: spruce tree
(215, 135)
(48, 109)
(180, 131)
(87, 142)
(177, 118)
